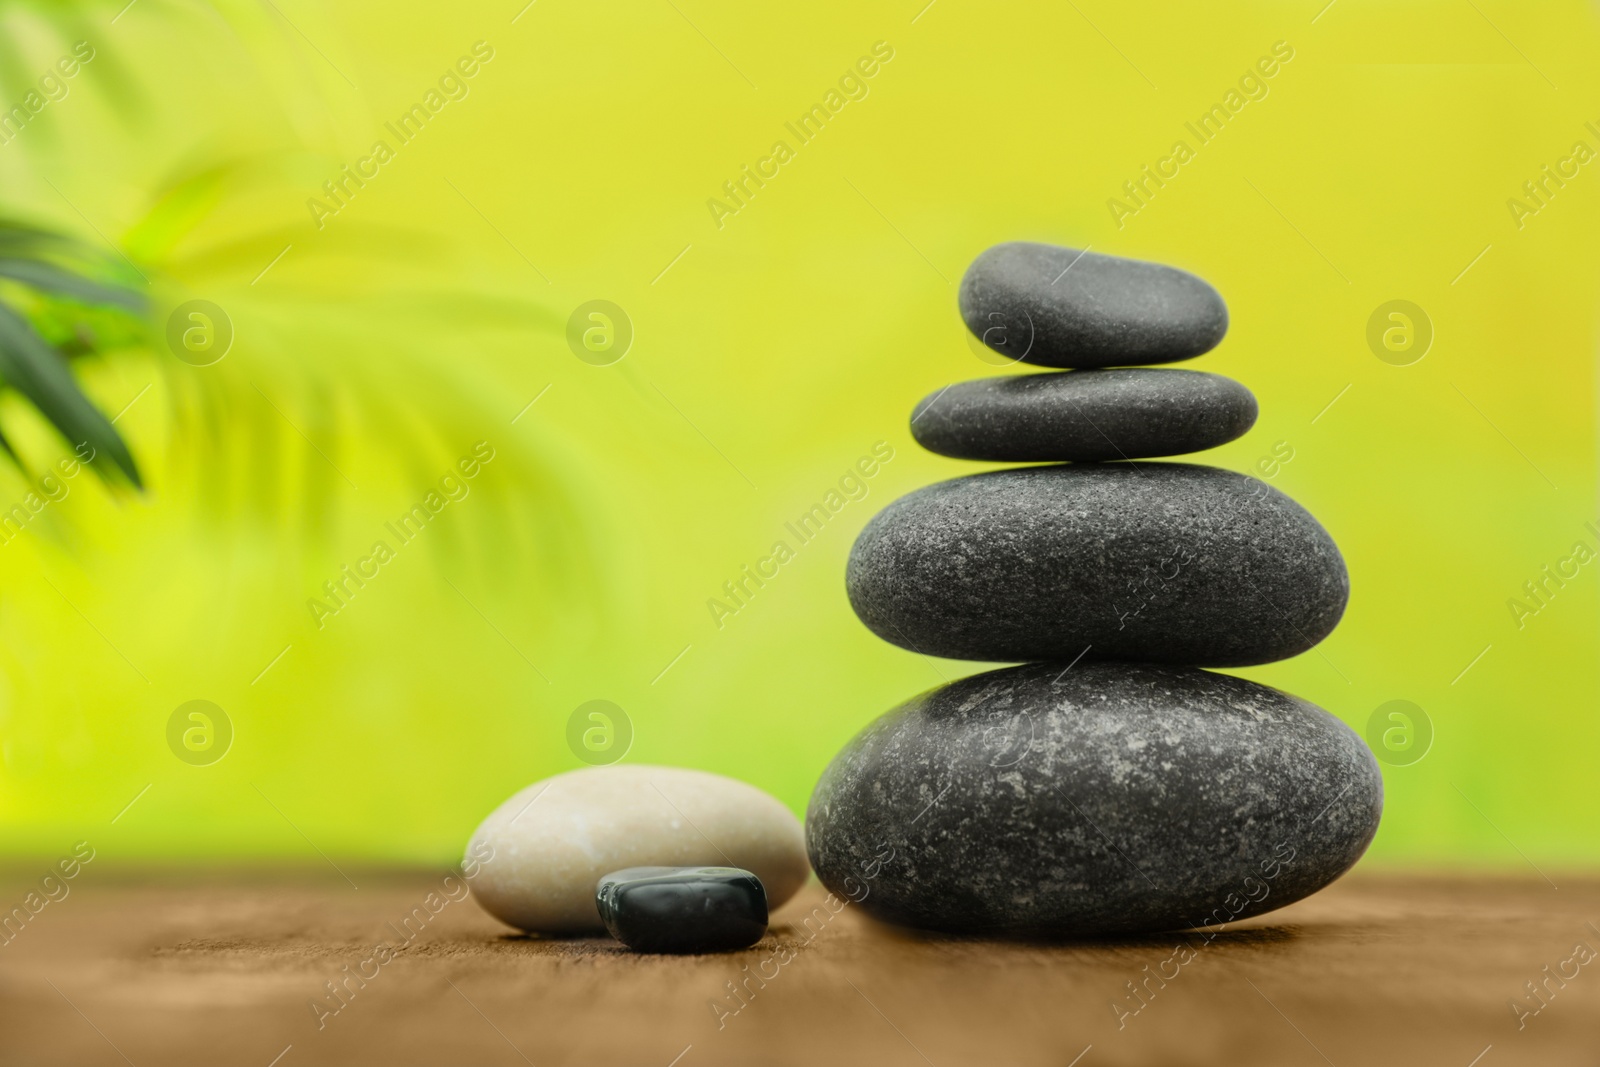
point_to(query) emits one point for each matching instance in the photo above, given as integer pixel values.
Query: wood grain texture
(180, 966)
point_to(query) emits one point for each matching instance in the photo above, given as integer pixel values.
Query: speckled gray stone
(1155, 562)
(1084, 415)
(1106, 799)
(1059, 307)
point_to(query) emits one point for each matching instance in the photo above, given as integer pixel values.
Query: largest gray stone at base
(1104, 799)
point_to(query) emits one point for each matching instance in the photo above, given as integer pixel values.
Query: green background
(770, 353)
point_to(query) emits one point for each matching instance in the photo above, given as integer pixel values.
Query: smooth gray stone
(1059, 307)
(1152, 562)
(683, 909)
(1084, 415)
(1104, 799)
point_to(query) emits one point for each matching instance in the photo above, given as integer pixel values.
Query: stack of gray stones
(1109, 784)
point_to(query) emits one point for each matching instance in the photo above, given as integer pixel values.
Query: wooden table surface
(181, 966)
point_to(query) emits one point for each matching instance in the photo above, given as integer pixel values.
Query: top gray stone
(1058, 307)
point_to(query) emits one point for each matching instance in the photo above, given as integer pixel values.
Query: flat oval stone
(1059, 307)
(1129, 413)
(544, 850)
(683, 909)
(1158, 562)
(1104, 799)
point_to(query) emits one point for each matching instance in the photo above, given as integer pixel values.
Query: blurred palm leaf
(49, 300)
(355, 378)
(33, 33)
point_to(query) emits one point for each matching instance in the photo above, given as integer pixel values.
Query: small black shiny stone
(683, 909)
